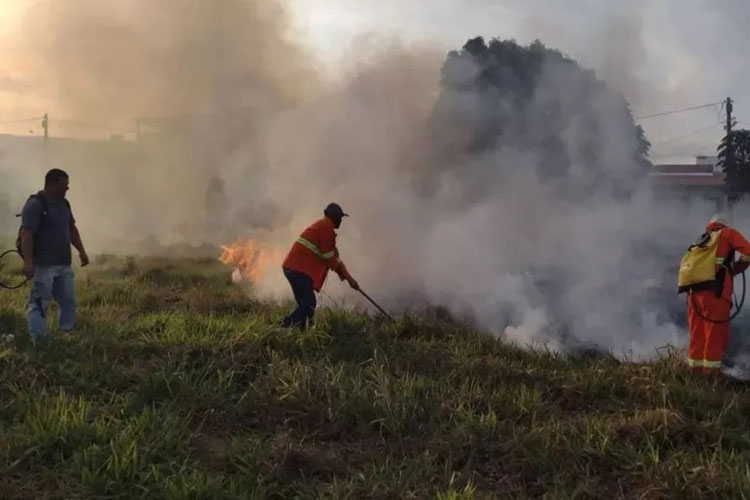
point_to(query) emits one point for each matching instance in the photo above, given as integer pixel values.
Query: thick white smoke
(486, 237)
(493, 239)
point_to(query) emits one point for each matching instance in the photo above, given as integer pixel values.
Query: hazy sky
(661, 54)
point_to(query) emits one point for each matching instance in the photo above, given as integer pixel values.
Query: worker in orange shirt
(308, 262)
(709, 309)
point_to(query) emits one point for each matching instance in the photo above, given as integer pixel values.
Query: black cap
(335, 210)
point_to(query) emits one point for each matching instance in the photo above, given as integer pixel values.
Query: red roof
(688, 180)
(683, 169)
(686, 175)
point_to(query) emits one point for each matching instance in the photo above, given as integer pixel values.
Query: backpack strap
(704, 239)
(45, 204)
(43, 200)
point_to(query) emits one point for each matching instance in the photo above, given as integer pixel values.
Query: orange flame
(251, 258)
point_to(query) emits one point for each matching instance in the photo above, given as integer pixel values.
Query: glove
(345, 276)
(343, 273)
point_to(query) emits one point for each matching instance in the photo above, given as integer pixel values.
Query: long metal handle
(376, 305)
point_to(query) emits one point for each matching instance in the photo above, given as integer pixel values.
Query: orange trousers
(708, 340)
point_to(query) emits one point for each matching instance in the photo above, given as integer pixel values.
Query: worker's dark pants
(302, 286)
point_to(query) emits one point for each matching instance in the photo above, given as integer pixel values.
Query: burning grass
(251, 259)
(179, 386)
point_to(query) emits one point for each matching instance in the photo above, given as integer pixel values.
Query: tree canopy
(736, 167)
(534, 100)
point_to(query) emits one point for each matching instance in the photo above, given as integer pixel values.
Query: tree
(540, 103)
(736, 167)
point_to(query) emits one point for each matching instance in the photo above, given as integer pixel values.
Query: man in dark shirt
(47, 231)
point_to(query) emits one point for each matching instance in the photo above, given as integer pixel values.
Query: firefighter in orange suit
(308, 262)
(709, 309)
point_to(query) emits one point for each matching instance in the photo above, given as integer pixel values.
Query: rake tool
(376, 305)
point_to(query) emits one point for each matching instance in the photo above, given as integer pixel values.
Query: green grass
(177, 385)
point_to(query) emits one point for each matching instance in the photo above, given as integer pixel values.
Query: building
(704, 179)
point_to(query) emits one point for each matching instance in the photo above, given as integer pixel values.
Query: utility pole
(729, 159)
(45, 126)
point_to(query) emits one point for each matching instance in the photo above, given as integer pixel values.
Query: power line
(691, 134)
(90, 125)
(678, 111)
(21, 120)
(83, 124)
(64, 124)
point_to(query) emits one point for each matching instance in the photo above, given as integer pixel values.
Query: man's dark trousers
(302, 286)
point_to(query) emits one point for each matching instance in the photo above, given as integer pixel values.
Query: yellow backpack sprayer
(698, 272)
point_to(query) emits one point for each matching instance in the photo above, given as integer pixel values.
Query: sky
(661, 54)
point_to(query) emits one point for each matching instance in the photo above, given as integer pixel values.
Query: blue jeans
(51, 282)
(304, 295)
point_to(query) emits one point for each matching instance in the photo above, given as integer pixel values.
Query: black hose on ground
(6, 286)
